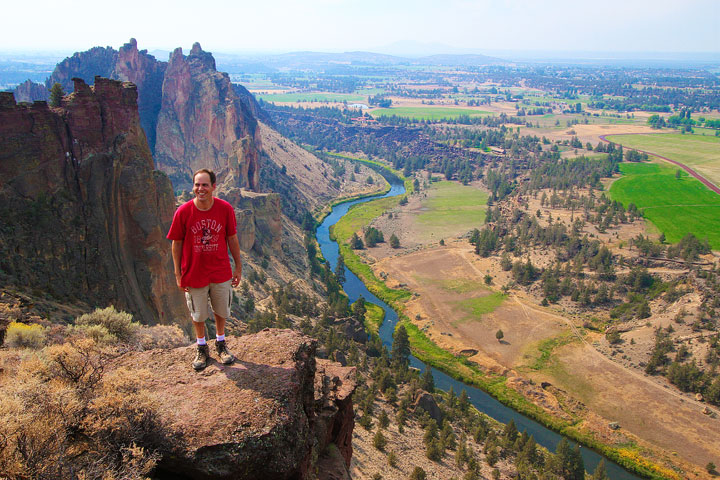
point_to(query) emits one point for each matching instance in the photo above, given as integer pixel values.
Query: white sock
(220, 338)
(201, 341)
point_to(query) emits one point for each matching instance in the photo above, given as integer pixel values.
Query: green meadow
(476, 307)
(427, 113)
(676, 206)
(453, 205)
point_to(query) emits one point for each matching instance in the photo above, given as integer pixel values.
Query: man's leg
(200, 330)
(221, 299)
(219, 325)
(197, 304)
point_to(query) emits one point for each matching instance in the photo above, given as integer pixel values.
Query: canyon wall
(84, 212)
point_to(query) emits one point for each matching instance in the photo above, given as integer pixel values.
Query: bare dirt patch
(642, 406)
(591, 133)
(648, 408)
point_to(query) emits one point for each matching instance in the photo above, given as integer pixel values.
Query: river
(355, 288)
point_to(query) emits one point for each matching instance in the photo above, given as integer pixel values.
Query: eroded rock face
(264, 417)
(84, 213)
(136, 66)
(29, 91)
(204, 123)
(259, 218)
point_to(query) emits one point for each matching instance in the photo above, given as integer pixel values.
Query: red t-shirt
(204, 235)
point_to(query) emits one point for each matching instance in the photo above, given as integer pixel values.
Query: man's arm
(234, 245)
(177, 248)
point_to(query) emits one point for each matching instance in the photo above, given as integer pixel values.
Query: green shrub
(119, 324)
(418, 474)
(21, 335)
(379, 441)
(162, 336)
(99, 333)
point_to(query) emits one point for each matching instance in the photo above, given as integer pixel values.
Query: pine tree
(56, 94)
(427, 382)
(600, 472)
(340, 270)
(394, 241)
(401, 346)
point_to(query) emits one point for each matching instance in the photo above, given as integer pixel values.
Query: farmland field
(702, 153)
(676, 206)
(452, 204)
(427, 113)
(312, 97)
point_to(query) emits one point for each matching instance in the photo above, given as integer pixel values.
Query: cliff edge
(270, 415)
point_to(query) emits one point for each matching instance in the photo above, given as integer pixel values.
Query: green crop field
(427, 113)
(702, 153)
(312, 97)
(676, 206)
(451, 204)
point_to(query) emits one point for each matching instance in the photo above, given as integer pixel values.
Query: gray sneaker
(201, 357)
(225, 356)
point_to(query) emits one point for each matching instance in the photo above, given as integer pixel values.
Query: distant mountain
(459, 60)
(320, 60)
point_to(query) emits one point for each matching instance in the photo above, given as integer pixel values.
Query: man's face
(202, 188)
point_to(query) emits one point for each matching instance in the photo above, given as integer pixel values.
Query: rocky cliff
(28, 91)
(192, 114)
(84, 212)
(203, 123)
(271, 415)
(136, 66)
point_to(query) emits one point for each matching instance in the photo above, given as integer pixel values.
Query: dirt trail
(692, 172)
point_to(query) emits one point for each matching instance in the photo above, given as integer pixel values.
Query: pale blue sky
(344, 25)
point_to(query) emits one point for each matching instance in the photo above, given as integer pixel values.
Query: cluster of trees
(380, 100)
(684, 371)
(373, 236)
(460, 431)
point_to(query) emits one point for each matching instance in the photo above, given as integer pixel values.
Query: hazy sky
(343, 25)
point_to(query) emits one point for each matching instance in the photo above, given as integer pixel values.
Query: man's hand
(178, 281)
(237, 274)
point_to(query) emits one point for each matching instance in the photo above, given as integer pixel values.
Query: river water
(355, 288)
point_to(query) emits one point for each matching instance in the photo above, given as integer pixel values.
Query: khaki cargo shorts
(218, 294)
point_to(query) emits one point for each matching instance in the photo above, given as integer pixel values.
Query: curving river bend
(354, 288)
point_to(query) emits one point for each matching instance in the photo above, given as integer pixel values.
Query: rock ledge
(266, 416)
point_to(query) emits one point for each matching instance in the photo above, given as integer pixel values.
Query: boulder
(267, 416)
(352, 328)
(425, 401)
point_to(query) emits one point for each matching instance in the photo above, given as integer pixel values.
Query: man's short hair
(209, 172)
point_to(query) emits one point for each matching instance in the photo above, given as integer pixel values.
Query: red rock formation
(84, 213)
(265, 417)
(204, 123)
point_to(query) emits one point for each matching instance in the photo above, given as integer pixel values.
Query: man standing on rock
(201, 232)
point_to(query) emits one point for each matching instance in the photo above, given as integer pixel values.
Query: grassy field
(702, 153)
(676, 206)
(427, 113)
(312, 97)
(478, 306)
(453, 205)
